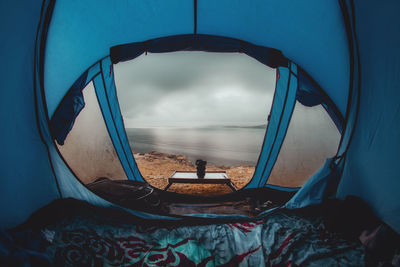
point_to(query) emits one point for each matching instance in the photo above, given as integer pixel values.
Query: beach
(156, 167)
(159, 152)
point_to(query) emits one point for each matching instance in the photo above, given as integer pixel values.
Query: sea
(218, 145)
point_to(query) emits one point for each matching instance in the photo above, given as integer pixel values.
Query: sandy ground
(156, 167)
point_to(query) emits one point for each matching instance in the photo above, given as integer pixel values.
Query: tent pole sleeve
(108, 102)
(279, 118)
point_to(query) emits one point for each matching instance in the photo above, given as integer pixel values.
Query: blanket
(283, 238)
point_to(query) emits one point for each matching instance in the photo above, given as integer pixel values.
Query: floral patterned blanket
(281, 239)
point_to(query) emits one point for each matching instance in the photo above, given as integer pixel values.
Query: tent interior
(340, 57)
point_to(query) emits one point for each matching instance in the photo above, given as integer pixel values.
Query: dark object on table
(201, 168)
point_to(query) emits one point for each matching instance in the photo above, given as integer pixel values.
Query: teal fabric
(372, 161)
(107, 96)
(87, 30)
(279, 118)
(26, 180)
(310, 94)
(72, 104)
(312, 34)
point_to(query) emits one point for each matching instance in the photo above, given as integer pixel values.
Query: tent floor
(140, 196)
(79, 234)
(75, 233)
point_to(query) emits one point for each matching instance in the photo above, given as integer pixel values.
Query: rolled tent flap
(198, 42)
(315, 190)
(310, 94)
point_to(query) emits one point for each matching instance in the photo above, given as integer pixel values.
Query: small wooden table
(190, 177)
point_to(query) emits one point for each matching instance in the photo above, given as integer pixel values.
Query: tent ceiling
(312, 35)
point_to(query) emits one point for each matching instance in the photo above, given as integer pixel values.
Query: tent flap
(198, 42)
(63, 119)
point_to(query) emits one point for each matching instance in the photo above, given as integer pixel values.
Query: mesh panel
(88, 149)
(307, 144)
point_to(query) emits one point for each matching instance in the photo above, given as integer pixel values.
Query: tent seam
(43, 26)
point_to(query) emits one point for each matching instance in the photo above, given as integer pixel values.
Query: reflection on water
(217, 145)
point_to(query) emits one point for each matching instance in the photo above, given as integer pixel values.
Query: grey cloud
(194, 87)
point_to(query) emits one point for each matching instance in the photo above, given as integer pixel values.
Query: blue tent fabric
(64, 117)
(279, 118)
(65, 183)
(73, 102)
(310, 94)
(107, 97)
(315, 190)
(372, 159)
(88, 38)
(27, 181)
(284, 25)
(309, 34)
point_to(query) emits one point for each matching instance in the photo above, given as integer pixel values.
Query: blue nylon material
(314, 190)
(282, 108)
(372, 160)
(276, 110)
(287, 114)
(312, 34)
(282, 188)
(26, 182)
(112, 131)
(92, 71)
(73, 102)
(63, 119)
(309, 94)
(82, 32)
(108, 102)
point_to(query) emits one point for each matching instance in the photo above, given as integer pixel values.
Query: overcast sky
(194, 89)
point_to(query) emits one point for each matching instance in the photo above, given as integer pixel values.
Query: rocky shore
(156, 167)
